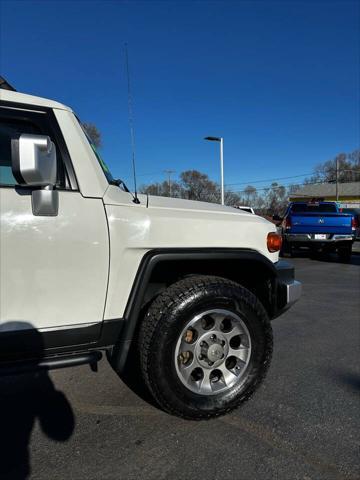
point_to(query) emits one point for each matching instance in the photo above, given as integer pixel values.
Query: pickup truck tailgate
(321, 223)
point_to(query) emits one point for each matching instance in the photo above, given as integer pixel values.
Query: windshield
(103, 165)
(314, 208)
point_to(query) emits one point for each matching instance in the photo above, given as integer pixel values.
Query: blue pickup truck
(318, 226)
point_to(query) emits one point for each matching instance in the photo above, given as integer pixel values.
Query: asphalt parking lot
(302, 424)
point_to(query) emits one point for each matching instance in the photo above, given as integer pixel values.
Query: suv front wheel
(205, 346)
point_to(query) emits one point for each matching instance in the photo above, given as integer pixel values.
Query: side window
(8, 130)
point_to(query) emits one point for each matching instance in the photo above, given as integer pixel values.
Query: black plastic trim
(21, 344)
(51, 363)
(285, 275)
(17, 344)
(110, 332)
(285, 271)
(15, 147)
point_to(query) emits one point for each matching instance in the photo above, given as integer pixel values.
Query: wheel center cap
(215, 352)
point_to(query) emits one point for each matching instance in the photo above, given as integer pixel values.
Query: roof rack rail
(6, 85)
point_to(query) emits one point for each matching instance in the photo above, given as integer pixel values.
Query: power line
(249, 182)
(270, 179)
(270, 187)
(149, 174)
(259, 181)
(237, 183)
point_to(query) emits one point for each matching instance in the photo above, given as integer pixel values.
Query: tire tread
(166, 301)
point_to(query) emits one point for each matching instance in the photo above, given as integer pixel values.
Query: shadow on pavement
(351, 380)
(323, 257)
(24, 399)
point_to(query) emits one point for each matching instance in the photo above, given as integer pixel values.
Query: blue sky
(278, 80)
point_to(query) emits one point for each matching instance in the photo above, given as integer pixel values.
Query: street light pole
(222, 170)
(221, 141)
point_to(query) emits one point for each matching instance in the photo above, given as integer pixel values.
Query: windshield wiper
(120, 183)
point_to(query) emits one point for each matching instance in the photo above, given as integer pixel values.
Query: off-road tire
(161, 328)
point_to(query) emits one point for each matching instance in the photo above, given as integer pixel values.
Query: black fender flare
(150, 260)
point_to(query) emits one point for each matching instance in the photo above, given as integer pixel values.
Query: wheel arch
(162, 267)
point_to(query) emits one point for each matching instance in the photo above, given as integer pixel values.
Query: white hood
(116, 196)
(181, 204)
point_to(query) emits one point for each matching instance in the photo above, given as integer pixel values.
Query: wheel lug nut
(223, 343)
(202, 344)
(213, 337)
(201, 357)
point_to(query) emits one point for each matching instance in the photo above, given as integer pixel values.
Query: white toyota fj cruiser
(184, 289)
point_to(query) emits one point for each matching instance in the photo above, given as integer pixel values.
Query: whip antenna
(131, 123)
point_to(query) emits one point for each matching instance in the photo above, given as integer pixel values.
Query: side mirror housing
(276, 218)
(34, 164)
(34, 160)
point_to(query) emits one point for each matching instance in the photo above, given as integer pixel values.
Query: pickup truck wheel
(205, 346)
(344, 253)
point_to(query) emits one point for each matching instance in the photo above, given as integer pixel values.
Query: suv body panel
(77, 280)
(188, 225)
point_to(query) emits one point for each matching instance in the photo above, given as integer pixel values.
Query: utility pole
(169, 173)
(337, 179)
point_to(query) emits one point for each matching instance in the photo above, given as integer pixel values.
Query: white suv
(186, 290)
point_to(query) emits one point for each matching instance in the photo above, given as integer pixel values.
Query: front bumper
(288, 290)
(310, 237)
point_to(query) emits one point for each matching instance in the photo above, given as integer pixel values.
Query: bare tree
(232, 199)
(94, 134)
(275, 199)
(348, 165)
(198, 186)
(250, 194)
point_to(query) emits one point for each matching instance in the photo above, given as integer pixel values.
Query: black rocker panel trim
(53, 362)
(31, 343)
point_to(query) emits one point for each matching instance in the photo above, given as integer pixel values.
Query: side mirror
(34, 164)
(276, 218)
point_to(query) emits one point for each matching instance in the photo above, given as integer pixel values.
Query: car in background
(319, 226)
(246, 209)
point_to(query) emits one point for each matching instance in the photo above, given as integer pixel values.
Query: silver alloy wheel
(213, 352)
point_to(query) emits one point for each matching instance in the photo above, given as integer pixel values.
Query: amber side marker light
(274, 242)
